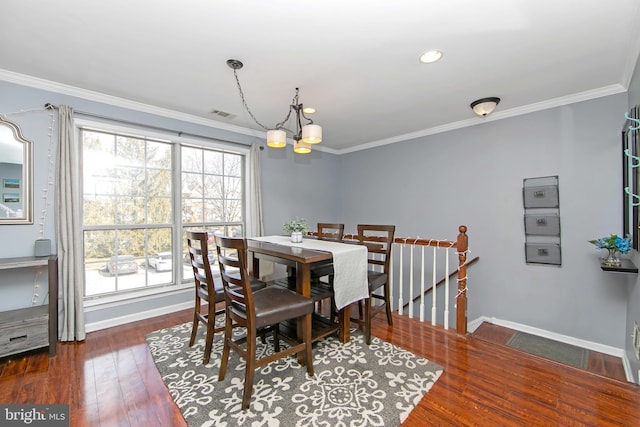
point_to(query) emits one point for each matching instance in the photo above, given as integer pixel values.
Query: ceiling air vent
(223, 114)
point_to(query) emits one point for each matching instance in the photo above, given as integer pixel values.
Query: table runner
(349, 266)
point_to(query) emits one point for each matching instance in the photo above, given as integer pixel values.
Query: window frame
(180, 280)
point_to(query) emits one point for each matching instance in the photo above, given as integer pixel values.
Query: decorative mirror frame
(26, 190)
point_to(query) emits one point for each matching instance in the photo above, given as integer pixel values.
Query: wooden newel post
(462, 244)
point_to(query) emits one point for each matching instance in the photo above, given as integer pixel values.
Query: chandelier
(303, 136)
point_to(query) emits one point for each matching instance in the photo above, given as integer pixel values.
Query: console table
(34, 327)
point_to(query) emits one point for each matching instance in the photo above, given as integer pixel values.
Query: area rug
(354, 384)
(554, 350)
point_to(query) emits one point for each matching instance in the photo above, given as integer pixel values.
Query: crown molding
(64, 89)
(51, 86)
(526, 109)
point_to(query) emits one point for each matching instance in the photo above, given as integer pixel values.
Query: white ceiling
(355, 61)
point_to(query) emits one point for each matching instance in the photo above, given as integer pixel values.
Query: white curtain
(68, 237)
(254, 224)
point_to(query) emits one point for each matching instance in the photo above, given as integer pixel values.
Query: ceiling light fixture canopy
(303, 136)
(485, 106)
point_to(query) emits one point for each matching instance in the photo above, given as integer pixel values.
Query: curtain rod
(157, 128)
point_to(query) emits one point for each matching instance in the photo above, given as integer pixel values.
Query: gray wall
(299, 186)
(474, 176)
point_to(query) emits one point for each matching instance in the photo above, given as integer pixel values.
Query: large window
(212, 193)
(139, 196)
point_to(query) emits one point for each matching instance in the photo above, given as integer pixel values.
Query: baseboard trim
(589, 345)
(474, 324)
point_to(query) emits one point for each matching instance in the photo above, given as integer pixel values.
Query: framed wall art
(11, 198)
(11, 183)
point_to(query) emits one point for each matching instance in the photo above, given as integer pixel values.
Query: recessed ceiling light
(430, 56)
(308, 110)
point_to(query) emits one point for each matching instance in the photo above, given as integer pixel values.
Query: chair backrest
(327, 231)
(382, 236)
(198, 245)
(232, 259)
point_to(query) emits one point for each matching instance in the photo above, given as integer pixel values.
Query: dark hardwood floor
(110, 380)
(597, 363)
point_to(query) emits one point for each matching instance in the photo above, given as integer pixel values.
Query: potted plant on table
(296, 228)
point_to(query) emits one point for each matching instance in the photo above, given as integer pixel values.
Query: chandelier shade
(303, 136)
(311, 134)
(300, 147)
(276, 138)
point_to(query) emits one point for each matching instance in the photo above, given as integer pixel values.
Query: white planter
(296, 237)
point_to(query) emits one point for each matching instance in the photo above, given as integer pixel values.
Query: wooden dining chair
(207, 290)
(327, 231)
(254, 310)
(379, 260)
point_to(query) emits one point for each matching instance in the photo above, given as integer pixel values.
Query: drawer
(543, 253)
(23, 330)
(542, 225)
(545, 196)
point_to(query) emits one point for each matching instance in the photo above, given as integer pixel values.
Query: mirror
(16, 200)
(630, 176)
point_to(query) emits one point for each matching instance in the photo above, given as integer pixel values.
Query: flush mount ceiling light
(485, 106)
(303, 136)
(430, 56)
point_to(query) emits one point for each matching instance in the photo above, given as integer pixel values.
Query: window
(139, 196)
(212, 194)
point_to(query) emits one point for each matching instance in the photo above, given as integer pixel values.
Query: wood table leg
(255, 271)
(343, 320)
(303, 287)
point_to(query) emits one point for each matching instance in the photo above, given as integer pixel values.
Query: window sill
(94, 303)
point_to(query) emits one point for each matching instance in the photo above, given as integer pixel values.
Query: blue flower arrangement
(613, 242)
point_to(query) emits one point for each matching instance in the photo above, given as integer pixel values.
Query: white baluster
(446, 289)
(400, 300)
(411, 283)
(422, 283)
(391, 276)
(433, 287)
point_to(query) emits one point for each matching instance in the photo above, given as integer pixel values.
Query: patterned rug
(354, 384)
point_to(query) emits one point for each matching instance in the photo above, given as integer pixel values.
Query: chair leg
(276, 340)
(307, 340)
(194, 328)
(228, 334)
(208, 341)
(367, 320)
(387, 304)
(250, 368)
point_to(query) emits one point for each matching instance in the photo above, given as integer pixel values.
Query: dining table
(349, 262)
